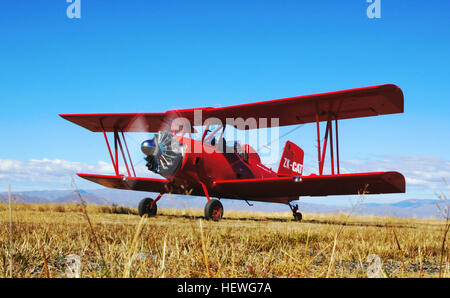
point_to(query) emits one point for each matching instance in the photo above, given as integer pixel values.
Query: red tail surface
(291, 163)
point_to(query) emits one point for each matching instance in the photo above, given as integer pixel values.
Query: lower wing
(129, 183)
(279, 189)
(141, 184)
(313, 185)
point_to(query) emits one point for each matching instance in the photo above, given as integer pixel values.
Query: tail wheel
(145, 207)
(298, 216)
(214, 210)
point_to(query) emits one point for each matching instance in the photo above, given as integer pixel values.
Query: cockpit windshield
(237, 147)
(240, 150)
(214, 137)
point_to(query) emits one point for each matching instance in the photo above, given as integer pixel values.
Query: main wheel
(144, 207)
(298, 216)
(214, 210)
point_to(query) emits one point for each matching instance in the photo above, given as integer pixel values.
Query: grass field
(115, 242)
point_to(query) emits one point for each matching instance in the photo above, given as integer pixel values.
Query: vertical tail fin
(291, 163)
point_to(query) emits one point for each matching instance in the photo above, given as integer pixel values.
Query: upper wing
(128, 122)
(325, 185)
(354, 103)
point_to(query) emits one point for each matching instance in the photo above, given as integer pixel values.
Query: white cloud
(47, 169)
(424, 172)
(421, 172)
(51, 173)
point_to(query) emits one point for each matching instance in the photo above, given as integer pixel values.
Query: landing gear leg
(297, 215)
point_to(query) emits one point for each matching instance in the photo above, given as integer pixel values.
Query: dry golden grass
(180, 243)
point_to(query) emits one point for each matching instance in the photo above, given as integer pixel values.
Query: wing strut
(118, 146)
(116, 170)
(129, 156)
(321, 154)
(337, 147)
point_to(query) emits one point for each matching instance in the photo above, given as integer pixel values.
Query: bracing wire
(281, 137)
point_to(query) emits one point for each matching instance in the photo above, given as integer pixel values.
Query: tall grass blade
(10, 233)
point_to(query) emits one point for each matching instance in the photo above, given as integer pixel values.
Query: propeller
(162, 151)
(164, 154)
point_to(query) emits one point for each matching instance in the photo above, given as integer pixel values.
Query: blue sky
(153, 56)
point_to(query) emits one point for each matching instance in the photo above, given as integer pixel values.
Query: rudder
(291, 163)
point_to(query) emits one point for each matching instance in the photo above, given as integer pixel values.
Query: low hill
(419, 208)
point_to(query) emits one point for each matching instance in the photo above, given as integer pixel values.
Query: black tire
(298, 216)
(144, 207)
(214, 210)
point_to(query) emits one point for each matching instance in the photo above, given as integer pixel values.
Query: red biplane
(211, 167)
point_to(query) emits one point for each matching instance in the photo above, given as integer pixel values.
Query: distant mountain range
(408, 208)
